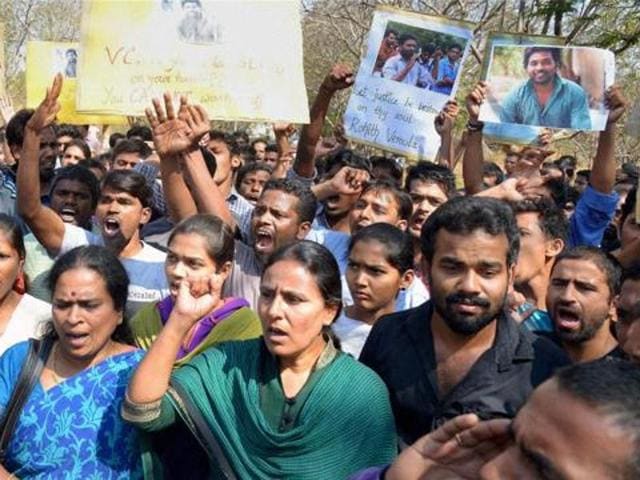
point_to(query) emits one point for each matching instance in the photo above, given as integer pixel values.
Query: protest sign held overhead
(44, 60)
(547, 86)
(411, 69)
(134, 51)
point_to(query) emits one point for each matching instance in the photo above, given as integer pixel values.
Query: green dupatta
(345, 425)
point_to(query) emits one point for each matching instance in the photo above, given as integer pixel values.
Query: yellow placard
(44, 60)
(241, 59)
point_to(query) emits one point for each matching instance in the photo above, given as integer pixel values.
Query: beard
(461, 324)
(585, 333)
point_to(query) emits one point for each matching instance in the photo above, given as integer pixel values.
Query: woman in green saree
(286, 405)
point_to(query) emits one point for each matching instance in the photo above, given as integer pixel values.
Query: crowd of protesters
(194, 303)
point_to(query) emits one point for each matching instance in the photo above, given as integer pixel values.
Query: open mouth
(567, 319)
(263, 239)
(68, 215)
(111, 226)
(275, 333)
(76, 340)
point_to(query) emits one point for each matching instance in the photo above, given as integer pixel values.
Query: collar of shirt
(558, 87)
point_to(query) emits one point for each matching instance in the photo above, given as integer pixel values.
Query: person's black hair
(141, 132)
(306, 205)
(66, 130)
(240, 134)
(629, 205)
(573, 161)
(455, 45)
(271, 147)
(389, 166)
(398, 245)
(605, 262)
(251, 168)
(197, 2)
(490, 169)
(14, 132)
(115, 138)
(346, 158)
(631, 273)
(221, 136)
(244, 153)
(390, 30)
(90, 163)
(555, 54)
(551, 218)
(559, 190)
(402, 198)
(319, 262)
(82, 145)
(612, 388)
(131, 182)
(405, 37)
(631, 170)
(131, 145)
(13, 233)
(258, 140)
(584, 173)
(108, 267)
(464, 215)
(80, 174)
(433, 173)
(217, 235)
(430, 48)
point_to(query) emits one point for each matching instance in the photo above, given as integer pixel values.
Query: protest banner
(410, 70)
(507, 132)
(44, 60)
(241, 60)
(548, 86)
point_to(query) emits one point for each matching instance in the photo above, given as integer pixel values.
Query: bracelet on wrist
(475, 125)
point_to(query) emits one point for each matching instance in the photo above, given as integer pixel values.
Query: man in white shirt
(404, 66)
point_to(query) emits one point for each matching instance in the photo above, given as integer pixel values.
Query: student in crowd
(279, 386)
(21, 315)
(128, 153)
(627, 324)
(543, 235)
(379, 266)
(629, 232)
(124, 206)
(199, 246)
(258, 146)
(459, 352)
(74, 197)
(251, 179)
(543, 441)
(74, 152)
(65, 134)
(581, 301)
(70, 423)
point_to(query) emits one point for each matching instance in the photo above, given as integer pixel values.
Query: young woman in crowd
(70, 425)
(20, 313)
(286, 405)
(380, 265)
(199, 246)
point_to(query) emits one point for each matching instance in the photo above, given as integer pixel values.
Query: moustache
(467, 300)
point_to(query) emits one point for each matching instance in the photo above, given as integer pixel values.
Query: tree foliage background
(335, 31)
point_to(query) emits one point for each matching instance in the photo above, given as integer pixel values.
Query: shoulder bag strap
(29, 375)
(204, 434)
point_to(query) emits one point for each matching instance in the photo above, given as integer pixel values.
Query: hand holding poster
(44, 60)
(135, 51)
(548, 86)
(410, 70)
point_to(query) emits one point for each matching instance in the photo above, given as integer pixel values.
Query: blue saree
(73, 430)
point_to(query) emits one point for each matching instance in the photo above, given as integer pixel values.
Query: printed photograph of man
(404, 67)
(71, 57)
(387, 49)
(194, 25)
(448, 69)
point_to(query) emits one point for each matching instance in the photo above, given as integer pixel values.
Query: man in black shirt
(581, 300)
(459, 353)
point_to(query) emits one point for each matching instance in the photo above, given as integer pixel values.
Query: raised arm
(603, 171)
(473, 157)
(195, 299)
(282, 132)
(171, 137)
(444, 126)
(340, 77)
(45, 224)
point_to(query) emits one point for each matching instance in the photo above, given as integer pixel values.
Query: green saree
(345, 424)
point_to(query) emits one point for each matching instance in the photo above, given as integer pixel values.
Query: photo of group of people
(423, 58)
(548, 86)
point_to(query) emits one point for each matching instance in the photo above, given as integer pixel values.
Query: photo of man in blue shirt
(546, 99)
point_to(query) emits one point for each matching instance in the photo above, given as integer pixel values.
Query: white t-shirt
(25, 322)
(338, 244)
(147, 280)
(352, 334)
